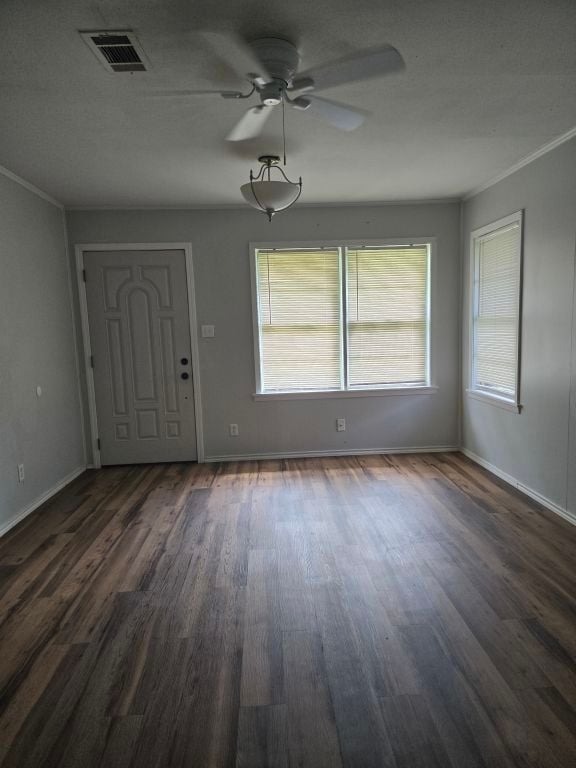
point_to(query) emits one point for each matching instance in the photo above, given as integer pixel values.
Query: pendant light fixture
(269, 194)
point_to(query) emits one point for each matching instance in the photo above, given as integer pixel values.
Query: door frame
(80, 251)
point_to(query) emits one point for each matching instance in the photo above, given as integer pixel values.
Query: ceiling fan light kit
(267, 194)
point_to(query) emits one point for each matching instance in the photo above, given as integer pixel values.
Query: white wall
(220, 250)
(36, 349)
(536, 447)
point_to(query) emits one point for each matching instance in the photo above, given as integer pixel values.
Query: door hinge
(91, 361)
(84, 275)
(98, 442)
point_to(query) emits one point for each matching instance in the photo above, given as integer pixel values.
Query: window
(299, 309)
(342, 318)
(496, 274)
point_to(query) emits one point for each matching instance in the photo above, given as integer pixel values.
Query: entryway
(141, 360)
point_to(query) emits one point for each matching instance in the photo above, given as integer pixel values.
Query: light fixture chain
(284, 127)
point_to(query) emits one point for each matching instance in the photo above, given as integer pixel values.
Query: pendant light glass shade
(271, 195)
(276, 195)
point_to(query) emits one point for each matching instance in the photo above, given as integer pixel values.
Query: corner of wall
(461, 326)
(75, 334)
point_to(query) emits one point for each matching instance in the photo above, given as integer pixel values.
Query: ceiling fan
(270, 65)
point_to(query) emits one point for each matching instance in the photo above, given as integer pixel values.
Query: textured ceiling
(487, 83)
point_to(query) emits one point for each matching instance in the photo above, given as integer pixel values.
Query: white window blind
(387, 313)
(496, 311)
(342, 318)
(299, 318)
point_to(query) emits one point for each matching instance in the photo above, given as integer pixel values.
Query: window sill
(499, 402)
(342, 394)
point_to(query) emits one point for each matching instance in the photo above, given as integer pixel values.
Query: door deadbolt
(184, 361)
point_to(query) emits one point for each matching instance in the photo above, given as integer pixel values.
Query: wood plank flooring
(403, 611)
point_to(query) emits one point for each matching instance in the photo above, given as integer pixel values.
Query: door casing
(80, 251)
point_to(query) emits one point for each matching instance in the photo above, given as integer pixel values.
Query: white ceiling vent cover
(117, 51)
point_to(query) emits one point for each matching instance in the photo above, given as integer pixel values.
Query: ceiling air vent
(117, 51)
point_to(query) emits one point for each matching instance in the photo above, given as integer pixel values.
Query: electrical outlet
(20, 473)
(234, 430)
(341, 425)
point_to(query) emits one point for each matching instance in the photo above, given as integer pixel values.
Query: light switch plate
(207, 331)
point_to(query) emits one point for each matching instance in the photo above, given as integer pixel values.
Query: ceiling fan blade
(250, 124)
(373, 62)
(188, 92)
(339, 115)
(238, 55)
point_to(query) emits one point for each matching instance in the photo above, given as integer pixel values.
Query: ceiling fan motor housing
(280, 57)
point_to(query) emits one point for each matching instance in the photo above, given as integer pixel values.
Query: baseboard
(552, 506)
(41, 499)
(328, 453)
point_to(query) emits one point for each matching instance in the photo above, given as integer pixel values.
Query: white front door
(140, 339)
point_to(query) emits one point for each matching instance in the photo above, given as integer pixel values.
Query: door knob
(184, 375)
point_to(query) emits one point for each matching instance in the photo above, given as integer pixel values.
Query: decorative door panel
(140, 337)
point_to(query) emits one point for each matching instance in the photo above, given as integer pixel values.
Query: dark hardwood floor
(400, 611)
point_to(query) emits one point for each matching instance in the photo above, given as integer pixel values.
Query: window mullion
(344, 317)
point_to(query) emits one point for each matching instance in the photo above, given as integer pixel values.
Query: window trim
(485, 394)
(324, 394)
(377, 391)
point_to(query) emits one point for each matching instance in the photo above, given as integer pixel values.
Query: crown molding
(30, 187)
(522, 163)
(356, 204)
(245, 207)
